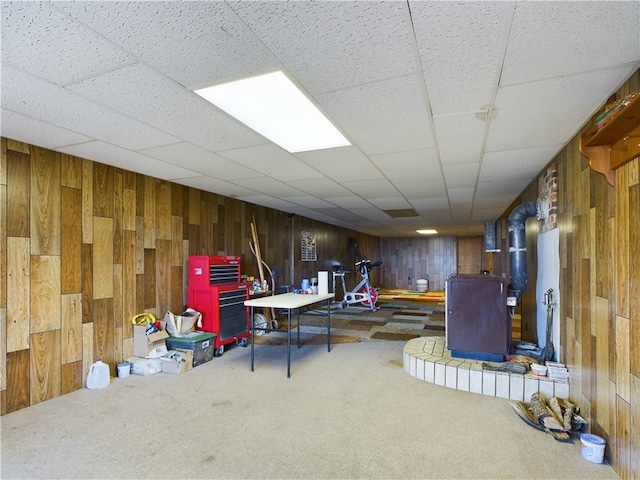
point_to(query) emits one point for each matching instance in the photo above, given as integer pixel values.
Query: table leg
(298, 326)
(328, 325)
(288, 343)
(253, 338)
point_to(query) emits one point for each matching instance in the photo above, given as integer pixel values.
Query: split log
(543, 414)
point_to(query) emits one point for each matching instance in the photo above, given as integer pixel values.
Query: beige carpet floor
(351, 413)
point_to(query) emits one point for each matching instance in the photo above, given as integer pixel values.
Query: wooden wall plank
(18, 373)
(3, 246)
(71, 241)
(71, 377)
(622, 244)
(176, 241)
(87, 350)
(194, 206)
(117, 217)
(103, 190)
(634, 278)
(621, 357)
(71, 171)
(129, 209)
(45, 293)
(602, 345)
(163, 277)
(87, 282)
(44, 362)
(87, 201)
(18, 191)
(71, 328)
(103, 340)
(129, 281)
(150, 281)
(149, 213)
(118, 292)
(163, 212)
(102, 257)
(139, 269)
(18, 294)
(622, 439)
(634, 429)
(45, 202)
(3, 350)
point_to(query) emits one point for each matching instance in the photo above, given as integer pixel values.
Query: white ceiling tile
(66, 50)
(273, 161)
(390, 203)
(350, 202)
(367, 189)
(311, 40)
(215, 185)
(20, 127)
(321, 187)
(512, 164)
(341, 164)
(269, 186)
(44, 101)
(412, 165)
(132, 161)
(198, 46)
(423, 205)
(309, 201)
(460, 138)
(461, 51)
(591, 33)
(461, 195)
(382, 117)
(268, 201)
(511, 187)
(423, 189)
(461, 175)
(152, 98)
(201, 161)
(533, 114)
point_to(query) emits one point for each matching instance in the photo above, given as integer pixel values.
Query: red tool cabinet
(215, 290)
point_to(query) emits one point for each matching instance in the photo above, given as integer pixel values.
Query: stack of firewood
(556, 416)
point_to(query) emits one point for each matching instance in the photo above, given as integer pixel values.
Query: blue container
(305, 284)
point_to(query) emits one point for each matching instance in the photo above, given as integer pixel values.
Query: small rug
(409, 320)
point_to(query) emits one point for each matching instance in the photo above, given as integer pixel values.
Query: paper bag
(180, 325)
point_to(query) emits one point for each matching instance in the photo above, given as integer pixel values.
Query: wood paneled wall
(85, 246)
(599, 295)
(409, 259)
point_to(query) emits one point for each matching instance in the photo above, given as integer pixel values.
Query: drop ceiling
(451, 108)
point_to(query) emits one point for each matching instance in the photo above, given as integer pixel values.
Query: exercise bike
(363, 293)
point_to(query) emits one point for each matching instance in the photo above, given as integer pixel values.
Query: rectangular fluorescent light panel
(427, 232)
(275, 108)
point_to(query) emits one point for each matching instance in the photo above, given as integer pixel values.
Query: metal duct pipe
(518, 245)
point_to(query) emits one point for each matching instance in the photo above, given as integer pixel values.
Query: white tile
(489, 383)
(502, 385)
(463, 379)
(545, 386)
(475, 381)
(561, 390)
(516, 388)
(451, 376)
(412, 366)
(530, 387)
(429, 372)
(420, 368)
(439, 374)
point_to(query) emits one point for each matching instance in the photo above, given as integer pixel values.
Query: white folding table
(289, 302)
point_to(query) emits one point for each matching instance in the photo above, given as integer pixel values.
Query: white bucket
(422, 285)
(592, 447)
(124, 369)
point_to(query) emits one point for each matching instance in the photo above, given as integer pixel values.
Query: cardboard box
(177, 361)
(145, 366)
(200, 343)
(152, 345)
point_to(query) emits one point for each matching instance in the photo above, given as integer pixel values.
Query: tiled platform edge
(427, 358)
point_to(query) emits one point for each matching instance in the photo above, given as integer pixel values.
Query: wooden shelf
(616, 142)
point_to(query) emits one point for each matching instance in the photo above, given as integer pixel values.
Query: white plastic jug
(98, 376)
